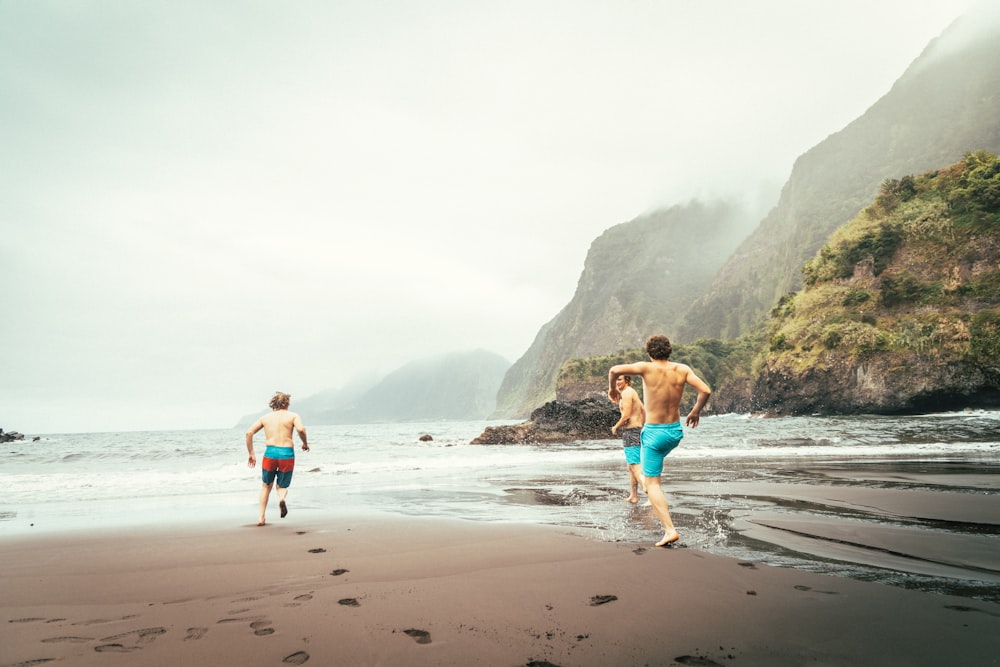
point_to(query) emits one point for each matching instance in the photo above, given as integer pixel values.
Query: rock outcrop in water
(11, 436)
(558, 421)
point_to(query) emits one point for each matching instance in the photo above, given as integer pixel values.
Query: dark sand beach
(395, 591)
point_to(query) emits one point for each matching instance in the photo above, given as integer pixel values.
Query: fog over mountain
(204, 202)
(696, 283)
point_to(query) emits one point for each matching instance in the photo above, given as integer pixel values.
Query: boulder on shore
(558, 421)
(10, 437)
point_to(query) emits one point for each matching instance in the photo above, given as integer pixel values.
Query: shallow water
(845, 496)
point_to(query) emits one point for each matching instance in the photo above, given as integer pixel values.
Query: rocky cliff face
(636, 279)
(901, 309)
(946, 104)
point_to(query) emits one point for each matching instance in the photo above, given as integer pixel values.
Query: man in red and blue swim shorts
(279, 456)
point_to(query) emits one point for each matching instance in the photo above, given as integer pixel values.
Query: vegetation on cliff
(638, 277)
(900, 313)
(901, 307)
(946, 104)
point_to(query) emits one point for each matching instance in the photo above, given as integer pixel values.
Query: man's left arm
(704, 392)
(301, 429)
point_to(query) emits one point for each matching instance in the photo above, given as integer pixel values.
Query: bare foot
(668, 538)
(284, 509)
(633, 499)
(260, 522)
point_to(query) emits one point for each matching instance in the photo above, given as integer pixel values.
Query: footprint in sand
(144, 635)
(317, 550)
(339, 571)
(964, 608)
(303, 598)
(297, 658)
(598, 600)
(75, 640)
(540, 663)
(114, 648)
(195, 633)
(261, 628)
(809, 588)
(697, 661)
(422, 636)
(32, 619)
(349, 602)
(639, 551)
(749, 566)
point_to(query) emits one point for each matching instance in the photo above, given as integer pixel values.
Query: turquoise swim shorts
(632, 443)
(658, 440)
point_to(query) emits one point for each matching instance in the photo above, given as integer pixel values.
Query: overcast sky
(204, 202)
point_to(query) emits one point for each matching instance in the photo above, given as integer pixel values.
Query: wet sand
(383, 591)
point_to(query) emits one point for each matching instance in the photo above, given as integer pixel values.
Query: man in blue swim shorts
(279, 456)
(663, 384)
(630, 426)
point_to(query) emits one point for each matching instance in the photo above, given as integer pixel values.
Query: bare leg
(634, 479)
(633, 485)
(265, 493)
(659, 502)
(282, 494)
(639, 479)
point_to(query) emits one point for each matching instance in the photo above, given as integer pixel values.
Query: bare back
(632, 408)
(278, 427)
(663, 386)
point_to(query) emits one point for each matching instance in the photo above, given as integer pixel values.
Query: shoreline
(372, 590)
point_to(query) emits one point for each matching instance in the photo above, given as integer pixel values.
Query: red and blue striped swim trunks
(278, 463)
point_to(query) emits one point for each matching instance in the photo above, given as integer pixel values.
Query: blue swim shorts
(631, 442)
(278, 463)
(658, 440)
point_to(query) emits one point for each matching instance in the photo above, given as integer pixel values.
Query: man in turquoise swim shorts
(630, 427)
(279, 456)
(663, 384)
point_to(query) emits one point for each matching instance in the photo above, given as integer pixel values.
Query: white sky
(204, 202)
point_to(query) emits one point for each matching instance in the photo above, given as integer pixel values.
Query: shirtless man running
(279, 456)
(630, 425)
(663, 384)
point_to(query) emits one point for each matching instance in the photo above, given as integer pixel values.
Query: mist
(205, 203)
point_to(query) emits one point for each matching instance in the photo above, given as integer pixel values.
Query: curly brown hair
(280, 400)
(658, 347)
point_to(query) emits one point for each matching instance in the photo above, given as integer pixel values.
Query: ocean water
(81, 481)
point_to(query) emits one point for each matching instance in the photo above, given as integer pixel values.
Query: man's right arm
(626, 407)
(616, 372)
(301, 429)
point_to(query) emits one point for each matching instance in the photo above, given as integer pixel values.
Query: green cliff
(637, 278)
(945, 105)
(901, 307)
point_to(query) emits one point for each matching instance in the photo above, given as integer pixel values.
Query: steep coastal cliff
(945, 105)
(901, 309)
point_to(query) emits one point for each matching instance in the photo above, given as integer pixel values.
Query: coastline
(369, 589)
